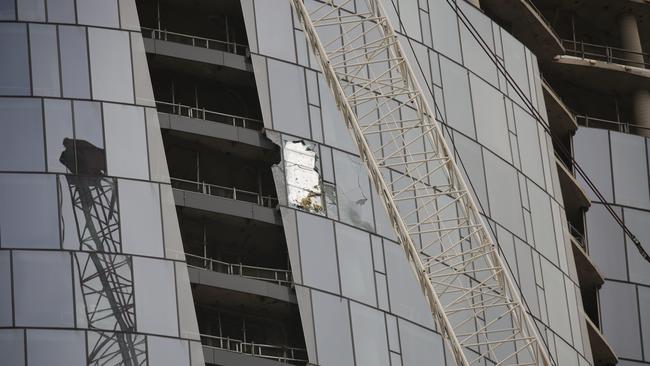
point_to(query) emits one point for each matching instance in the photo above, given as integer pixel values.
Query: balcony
(601, 350)
(588, 274)
(602, 68)
(624, 127)
(280, 277)
(561, 119)
(225, 192)
(575, 198)
(281, 354)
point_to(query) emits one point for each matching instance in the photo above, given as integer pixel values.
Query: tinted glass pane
(543, 229)
(332, 329)
(529, 148)
(353, 191)
(143, 90)
(140, 214)
(155, 298)
(31, 10)
(21, 141)
(288, 104)
(606, 242)
(630, 170)
(503, 191)
(110, 63)
(620, 318)
(557, 308)
(61, 11)
(12, 346)
(165, 351)
(58, 128)
(491, 122)
(639, 223)
(45, 60)
(355, 264)
(455, 87)
(126, 141)
(6, 309)
(420, 346)
(274, 29)
(370, 342)
(74, 62)
(7, 9)
(43, 289)
(129, 15)
(28, 214)
(55, 347)
(186, 312)
(98, 12)
(89, 136)
(14, 73)
(318, 252)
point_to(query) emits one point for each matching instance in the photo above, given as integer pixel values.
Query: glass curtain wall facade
(91, 259)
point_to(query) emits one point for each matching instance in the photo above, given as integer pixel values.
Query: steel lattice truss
(105, 276)
(470, 292)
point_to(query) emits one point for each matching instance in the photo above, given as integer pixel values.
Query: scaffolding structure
(471, 294)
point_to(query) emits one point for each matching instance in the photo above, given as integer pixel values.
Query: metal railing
(208, 115)
(273, 352)
(226, 192)
(606, 53)
(619, 126)
(195, 41)
(279, 276)
(544, 20)
(577, 235)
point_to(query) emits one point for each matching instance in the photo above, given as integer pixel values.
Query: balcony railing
(195, 41)
(226, 192)
(279, 276)
(606, 53)
(577, 235)
(273, 352)
(202, 113)
(619, 126)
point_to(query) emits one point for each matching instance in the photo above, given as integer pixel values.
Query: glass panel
(630, 170)
(129, 15)
(474, 57)
(31, 10)
(527, 281)
(44, 60)
(639, 223)
(529, 148)
(56, 347)
(14, 73)
(74, 62)
(6, 299)
(275, 30)
(558, 310)
(141, 219)
(165, 351)
(7, 9)
(289, 105)
(110, 62)
(157, 159)
(88, 123)
(126, 141)
(12, 346)
(455, 87)
(58, 129)
(171, 232)
(317, 252)
(543, 228)
(61, 11)
(355, 264)
(406, 298)
(188, 324)
(590, 147)
(336, 132)
(28, 214)
(444, 26)
(143, 89)
(503, 191)
(353, 191)
(420, 346)
(98, 12)
(620, 318)
(332, 329)
(43, 289)
(644, 303)
(515, 60)
(21, 141)
(606, 242)
(491, 122)
(369, 330)
(155, 296)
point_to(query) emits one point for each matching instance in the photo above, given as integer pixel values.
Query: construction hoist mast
(474, 301)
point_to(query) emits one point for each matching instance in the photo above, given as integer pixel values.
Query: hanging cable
(460, 14)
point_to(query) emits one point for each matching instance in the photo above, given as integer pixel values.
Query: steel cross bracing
(469, 290)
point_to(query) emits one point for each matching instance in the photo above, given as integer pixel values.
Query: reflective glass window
(140, 215)
(186, 313)
(129, 15)
(353, 191)
(455, 88)
(639, 223)
(43, 289)
(7, 9)
(444, 26)
(630, 170)
(288, 104)
(275, 30)
(644, 303)
(58, 128)
(157, 160)
(98, 12)
(515, 61)
(336, 132)
(620, 318)
(74, 62)
(6, 317)
(558, 310)
(503, 191)
(166, 351)
(142, 81)
(126, 141)
(332, 329)
(12, 346)
(44, 60)
(88, 123)
(543, 228)
(171, 232)
(110, 64)
(529, 147)
(14, 73)
(318, 252)
(155, 296)
(21, 141)
(355, 264)
(474, 57)
(56, 347)
(61, 11)
(31, 10)
(590, 149)
(420, 346)
(491, 122)
(28, 214)
(369, 330)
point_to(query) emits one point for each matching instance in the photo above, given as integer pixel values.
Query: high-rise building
(190, 182)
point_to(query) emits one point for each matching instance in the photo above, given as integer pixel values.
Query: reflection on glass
(303, 180)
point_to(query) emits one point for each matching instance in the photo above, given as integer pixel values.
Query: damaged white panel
(303, 179)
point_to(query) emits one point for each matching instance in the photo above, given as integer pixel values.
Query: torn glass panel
(303, 179)
(331, 201)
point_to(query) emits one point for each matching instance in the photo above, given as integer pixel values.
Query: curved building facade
(93, 271)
